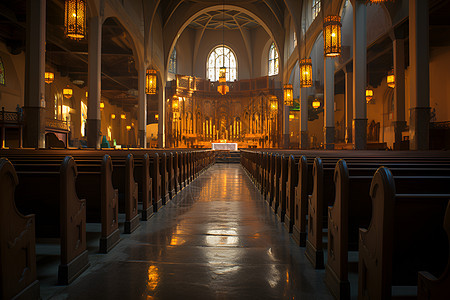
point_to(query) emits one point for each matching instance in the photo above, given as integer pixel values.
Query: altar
(224, 146)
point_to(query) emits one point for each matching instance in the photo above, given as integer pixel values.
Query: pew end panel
(301, 203)
(292, 182)
(17, 242)
(156, 181)
(131, 197)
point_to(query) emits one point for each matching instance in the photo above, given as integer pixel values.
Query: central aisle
(216, 240)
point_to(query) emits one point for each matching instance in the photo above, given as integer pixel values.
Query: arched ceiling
(224, 19)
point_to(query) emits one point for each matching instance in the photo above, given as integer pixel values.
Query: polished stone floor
(217, 239)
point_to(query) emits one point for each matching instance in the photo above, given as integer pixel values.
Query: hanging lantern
(369, 95)
(49, 77)
(113, 116)
(291, 117)
(75, 19)
(223, 88)
(123, 116)
(332, 36)
(305, 73)
(288, 95)
(68, 92)
(150, 84)
(391, 79)
(316, 104)
(157, 117)
(128, 127)
(274, 103)
(102, 105)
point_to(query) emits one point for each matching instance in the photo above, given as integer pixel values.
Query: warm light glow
(150, 85)
(153, 278)
(223, 88)
(68, 92)
(332, 36)
(391, 79)
(175, 105)
(123, 116)
(274, 103)
(369, 95)
(288, 95)
(316, 104)
(128, 127)
(157, 117)
(291, 117)
(49, 77)
(113, 116)
(87, 93)
(305, 73)
(75, 19)
(379, 1)
(102, 105)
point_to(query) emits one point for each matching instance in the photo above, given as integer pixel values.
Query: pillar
(93, 123)
(328, 128)
(162, 118)
(142, 107)
(286, 136)
(34, 108)
(359, 130)
(348, 103)
(303, 132)
(420, 74)
(399, 90)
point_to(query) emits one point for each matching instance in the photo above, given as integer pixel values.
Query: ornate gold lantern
(332, 36)
(75, 19)
(68, 92)
(223, 88)
(49, 77)
(305, 73)
(391, 79)
(274, 104)
(150, 84)
(316, 103)
(369, 95)
(288, 95)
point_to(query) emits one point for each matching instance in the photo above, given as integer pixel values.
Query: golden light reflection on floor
(152, 281)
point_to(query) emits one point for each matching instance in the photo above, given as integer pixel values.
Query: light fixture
(102, 105)
(68, 92)
(113, 116)
(291, 117)
(123, 116)
(87, 93)
(391, 79)
(332, 36)
(274, 103)
(75, 19)
(369, 95)
(305, 73)
(288, 95)
(150, 84)
(49, 77)
(128, 127)
(316, 103)
(157, 117)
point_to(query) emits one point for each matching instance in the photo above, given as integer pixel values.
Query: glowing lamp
(288, 95)
(123, 116)
(49, 77)
(175, 106)
(128, 127)
(305, 73)
(274, 103)
(113, 116)
(68, 92)
(75, 19)
(222, 88)
(332, 36)
(157, 117)
(291, 117)
(369, 95)
(316, 104)
(391, 79)
(150, 82)
(102, 105)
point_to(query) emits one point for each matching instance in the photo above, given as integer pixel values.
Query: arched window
(2, 73)
(273, 60)
(221, 56)
(173, 62)
(316, 5)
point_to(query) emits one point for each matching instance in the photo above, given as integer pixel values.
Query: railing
(10, 117)
(57, 124)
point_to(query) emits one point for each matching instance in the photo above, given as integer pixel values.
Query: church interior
(224, 149)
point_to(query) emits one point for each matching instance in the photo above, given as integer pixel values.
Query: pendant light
(68, 92)
(223, 88)
(332, 34)
(49, 77)
(288, 95)
(305, 65)
(391, 79)
(75, 19)
(316, 103)
(150, 82)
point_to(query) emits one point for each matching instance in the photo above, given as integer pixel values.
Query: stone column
(162, 117)
(328, 128)
(286, 135)
(303, 132)
(348, 103)
(34, 133)
(93, 122)
(420, 74)
(399, 90)
(142, 107)
(359, 132)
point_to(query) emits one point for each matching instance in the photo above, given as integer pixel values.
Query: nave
(217, 239)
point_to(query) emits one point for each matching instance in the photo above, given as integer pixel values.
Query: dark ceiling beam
(86, 53)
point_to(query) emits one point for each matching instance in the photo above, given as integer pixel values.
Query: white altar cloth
(224, 146)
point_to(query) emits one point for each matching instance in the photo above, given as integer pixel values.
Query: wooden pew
(48, 190)
(405, 234)
(17, 242)
(283, 165)
(300, 202)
